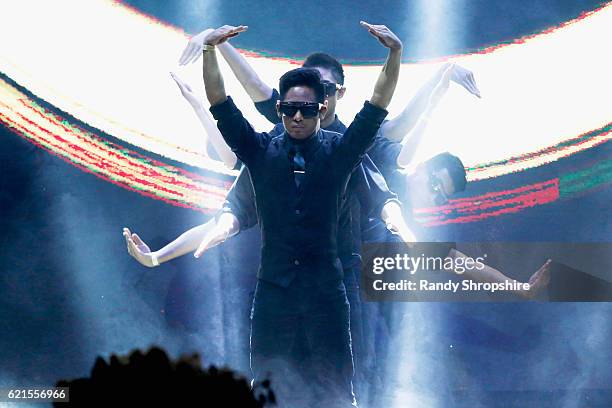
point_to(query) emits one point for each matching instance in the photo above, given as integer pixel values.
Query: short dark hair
(453, 164)
(322, 60)
(309, 77)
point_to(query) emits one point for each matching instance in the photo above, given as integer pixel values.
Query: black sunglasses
(308, 109)
(435, 185)
(330, 88)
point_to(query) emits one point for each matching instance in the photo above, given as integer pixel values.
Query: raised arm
(398, 128)
(235, 129)
(263, 96)
(257, 89)
(214, 136)
(411, 142)
(387, 80)
(213, 80)
(361, 132)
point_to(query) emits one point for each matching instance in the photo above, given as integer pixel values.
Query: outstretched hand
(186, 91)
(224, 33)
(465, 78)
(194, 47)
(384, 35)
(137, 248)
(539, 280)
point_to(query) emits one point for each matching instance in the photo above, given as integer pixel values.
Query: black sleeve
(237, 131)
(371, 188)
(268, 107)
(240, 200)
(358, 137)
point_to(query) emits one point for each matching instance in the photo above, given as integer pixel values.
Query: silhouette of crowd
(152, 377)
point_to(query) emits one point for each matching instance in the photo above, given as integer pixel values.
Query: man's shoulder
(330, 134)
(329, 138)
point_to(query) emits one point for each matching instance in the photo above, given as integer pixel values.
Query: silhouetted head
(436, 179)
(332, 75)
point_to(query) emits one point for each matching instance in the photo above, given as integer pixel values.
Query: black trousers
(319, 313)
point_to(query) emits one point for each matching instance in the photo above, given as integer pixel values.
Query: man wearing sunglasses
(398, 138)
(367, 198)
(430, 184)
(359, 216)
(299, 179)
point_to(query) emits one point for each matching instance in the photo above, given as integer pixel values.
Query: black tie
(299, 167)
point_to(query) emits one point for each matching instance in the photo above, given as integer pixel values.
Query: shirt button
(297, 212)
(296, 262)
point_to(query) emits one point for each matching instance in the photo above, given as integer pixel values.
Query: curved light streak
(112, 162)
(538, 91)
(127, 168)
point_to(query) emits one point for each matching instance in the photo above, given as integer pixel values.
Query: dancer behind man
(332, 72)
(300, 176)
(393, 148)
(241, 197)
(367, 197)
(401, 133)
(392, 155)
(239, 211)
(142, 254)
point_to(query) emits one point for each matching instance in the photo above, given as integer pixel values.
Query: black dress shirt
(299, 226)
(366, 194)
(383, 151)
